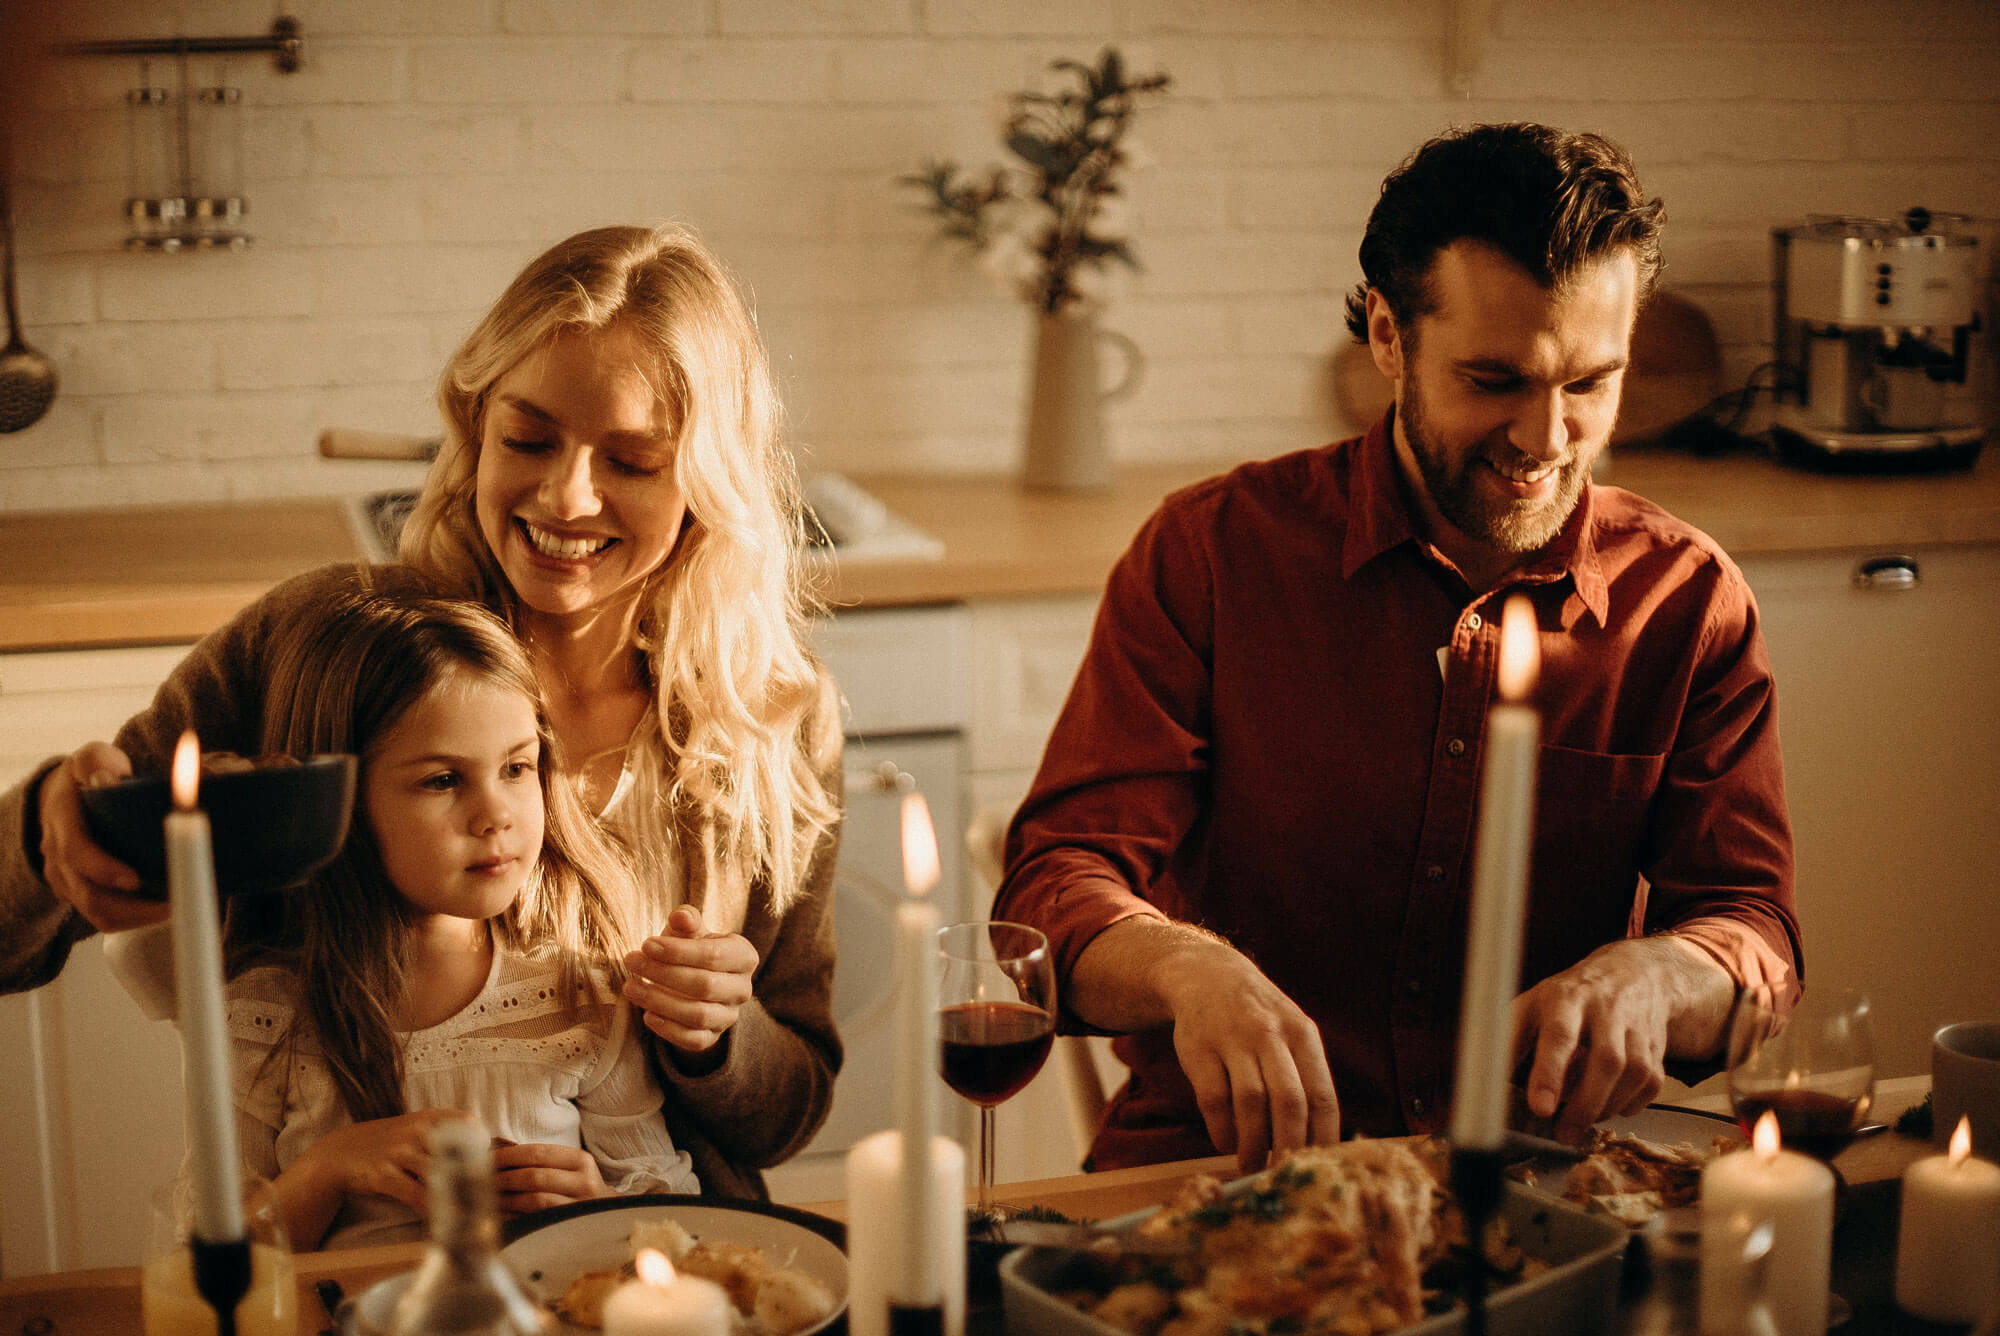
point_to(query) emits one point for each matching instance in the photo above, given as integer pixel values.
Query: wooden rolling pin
(348, 443)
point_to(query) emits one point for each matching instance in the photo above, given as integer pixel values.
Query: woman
(611, 483)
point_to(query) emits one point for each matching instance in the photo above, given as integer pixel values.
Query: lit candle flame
(1764, 1137)
(653, 1267)
(186, 776)
(920, 851)
(1960, 1149)
(1520, 658)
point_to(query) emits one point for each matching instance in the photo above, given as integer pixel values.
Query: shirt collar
(1381, 516)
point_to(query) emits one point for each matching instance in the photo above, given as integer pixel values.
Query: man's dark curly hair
(1549, 200)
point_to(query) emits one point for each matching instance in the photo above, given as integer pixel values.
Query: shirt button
(1474, 622)
(1434, 873)
(1417, 1104)
(1415, 987)
(1456, 747)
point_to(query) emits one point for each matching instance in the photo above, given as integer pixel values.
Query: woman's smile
(576, 492)
(559, 547)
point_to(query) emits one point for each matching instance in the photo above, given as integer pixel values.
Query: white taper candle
(205, 1070)
(920, 1278)
(1499, 891)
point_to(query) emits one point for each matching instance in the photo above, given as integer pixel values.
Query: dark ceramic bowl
(271, 828)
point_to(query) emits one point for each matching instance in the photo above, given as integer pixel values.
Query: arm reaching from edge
(77, 869)
(1255, 1060)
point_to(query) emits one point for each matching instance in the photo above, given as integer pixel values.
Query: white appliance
(905, 674)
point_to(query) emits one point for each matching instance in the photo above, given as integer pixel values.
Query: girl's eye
(524, 446)
(439, 783)
(519, 769)
(630, 469)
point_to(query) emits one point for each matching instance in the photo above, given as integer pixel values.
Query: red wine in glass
(1817, 1122)
(990, 1050)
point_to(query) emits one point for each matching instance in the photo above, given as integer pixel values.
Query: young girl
(399, 986)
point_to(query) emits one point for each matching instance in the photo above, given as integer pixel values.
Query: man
(1250, 838)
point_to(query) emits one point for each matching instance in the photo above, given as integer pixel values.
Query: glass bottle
(463, 1285)
(215, 156)
(156, 188)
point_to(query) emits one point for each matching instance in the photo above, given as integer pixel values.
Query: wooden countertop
(156, 575)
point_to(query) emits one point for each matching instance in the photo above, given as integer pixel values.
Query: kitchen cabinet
(1025, 654)
(1890, 719)
(89, 1088)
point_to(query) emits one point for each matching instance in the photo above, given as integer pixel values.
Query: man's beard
(1510, 526)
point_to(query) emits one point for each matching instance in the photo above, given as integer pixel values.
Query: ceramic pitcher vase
(1065, 449)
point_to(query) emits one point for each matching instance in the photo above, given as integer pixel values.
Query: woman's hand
(690, 984)
(535, 1177)
(82, 875)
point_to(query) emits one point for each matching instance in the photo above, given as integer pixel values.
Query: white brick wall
(428, 149)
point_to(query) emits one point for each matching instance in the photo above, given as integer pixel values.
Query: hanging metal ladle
(27, 379)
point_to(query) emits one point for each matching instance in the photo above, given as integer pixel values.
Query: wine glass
(1807, 1059)
(996, 1020)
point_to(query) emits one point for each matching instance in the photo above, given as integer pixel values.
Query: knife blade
(1089, 1238)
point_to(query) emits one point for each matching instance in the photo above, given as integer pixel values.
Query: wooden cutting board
(1676, 371)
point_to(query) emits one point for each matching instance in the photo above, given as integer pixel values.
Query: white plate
(592, 1236)
(1656, 1122)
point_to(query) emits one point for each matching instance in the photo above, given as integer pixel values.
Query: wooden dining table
(105, 1301)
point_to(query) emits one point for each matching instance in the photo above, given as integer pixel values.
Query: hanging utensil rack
(202, 207)
(284, 41)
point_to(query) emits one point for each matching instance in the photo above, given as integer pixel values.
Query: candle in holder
(661, 1302)
(1499, 891)
(920, 1282)
(1948, 1244)
(1794, 1193)
(211, 1112)
(905, 1185)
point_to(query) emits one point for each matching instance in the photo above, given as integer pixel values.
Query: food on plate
(1350, 1239)
(1632, 1179)
(767, 1298)
(215, 763)
(229, 763)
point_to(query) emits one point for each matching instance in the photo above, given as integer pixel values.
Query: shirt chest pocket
(1591, 819)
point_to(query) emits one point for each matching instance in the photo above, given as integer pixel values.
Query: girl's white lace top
(533, 1071)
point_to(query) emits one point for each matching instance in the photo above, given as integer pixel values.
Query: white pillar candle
(878, 1230)
(1948, 1244)
(1795, 1194)
(205, 1075)
(1499, 891)
(663, 1303)
(919, 1281)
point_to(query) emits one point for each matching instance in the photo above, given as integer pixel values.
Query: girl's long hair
(342, 674)
(724, 619)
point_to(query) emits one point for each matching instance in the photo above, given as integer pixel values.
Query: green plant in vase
(1048, 228)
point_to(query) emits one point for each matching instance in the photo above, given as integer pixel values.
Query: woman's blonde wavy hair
(724, 619)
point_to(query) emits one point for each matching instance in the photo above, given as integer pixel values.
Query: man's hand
(692, 985)
(81, 874)
(1254, 1059)
(535, 1177)
(1601, 1030)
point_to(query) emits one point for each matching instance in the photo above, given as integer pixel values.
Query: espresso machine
(1878, 342)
